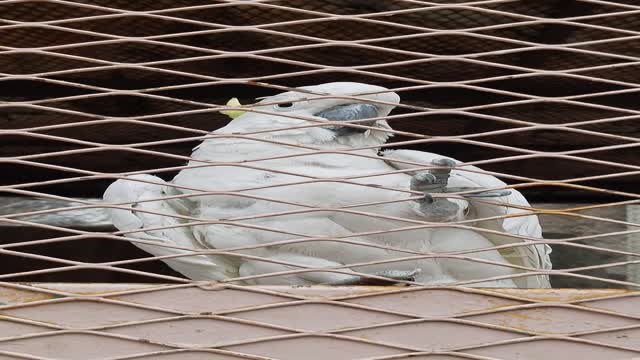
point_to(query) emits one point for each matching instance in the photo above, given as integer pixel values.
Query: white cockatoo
(289, 187)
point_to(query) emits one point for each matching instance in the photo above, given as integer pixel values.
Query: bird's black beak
(347, 112)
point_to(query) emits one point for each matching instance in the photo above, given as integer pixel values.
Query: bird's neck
(242, 149)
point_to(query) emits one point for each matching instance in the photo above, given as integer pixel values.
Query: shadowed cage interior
(542, 93)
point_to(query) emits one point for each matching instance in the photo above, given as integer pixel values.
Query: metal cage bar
(540, 94)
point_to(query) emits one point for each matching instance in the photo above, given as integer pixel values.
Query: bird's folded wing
(159, 222)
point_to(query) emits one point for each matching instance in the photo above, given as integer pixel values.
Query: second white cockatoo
(292, 186)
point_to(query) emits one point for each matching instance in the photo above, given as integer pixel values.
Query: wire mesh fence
(329, 169)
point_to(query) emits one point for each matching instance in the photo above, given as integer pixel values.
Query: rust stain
(16, 296)
(11, 296)
(563, 295)
(530, 321)
(497, 303)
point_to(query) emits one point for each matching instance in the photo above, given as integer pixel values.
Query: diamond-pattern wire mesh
(541, 94)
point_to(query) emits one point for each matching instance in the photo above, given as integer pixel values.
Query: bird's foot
(391, 277)
(434, 180)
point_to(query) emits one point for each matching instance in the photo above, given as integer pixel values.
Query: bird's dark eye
(283, 105)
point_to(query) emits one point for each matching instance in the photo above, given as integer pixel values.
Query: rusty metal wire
(539, 94)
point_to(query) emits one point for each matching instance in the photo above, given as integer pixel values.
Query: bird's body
(281, 200)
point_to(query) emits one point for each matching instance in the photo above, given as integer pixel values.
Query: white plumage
(262, 200)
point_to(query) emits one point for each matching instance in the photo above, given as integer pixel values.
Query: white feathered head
(322, 114)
